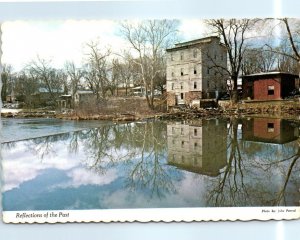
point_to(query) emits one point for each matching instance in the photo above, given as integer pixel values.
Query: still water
(154, 164)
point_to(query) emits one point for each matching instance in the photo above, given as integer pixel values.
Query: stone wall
(190, 96)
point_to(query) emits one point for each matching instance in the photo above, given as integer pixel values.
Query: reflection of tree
(282, 192)
(138, 147)
(101, 152)
(8, 145)
(149, 171)
(253, 173)
(230, 189)
(44, 146)
(286, 166)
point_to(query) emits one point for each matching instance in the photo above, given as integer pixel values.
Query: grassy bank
(136, 108)
(116, 109)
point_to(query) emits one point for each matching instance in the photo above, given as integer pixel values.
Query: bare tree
(126, 71)
(258, 60)
(46, 75)
(97, 69)
(7, 81)
(288, 51)
(25, 86)
(75, 75)
(293, 42)
(149, 39)
(233, 35)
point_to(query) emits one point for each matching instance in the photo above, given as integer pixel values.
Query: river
(51, 164)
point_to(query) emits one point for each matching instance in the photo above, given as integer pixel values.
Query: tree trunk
(234, 94)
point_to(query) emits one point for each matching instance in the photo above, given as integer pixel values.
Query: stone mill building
(196, 70)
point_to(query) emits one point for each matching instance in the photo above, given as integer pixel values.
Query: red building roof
(254, 75)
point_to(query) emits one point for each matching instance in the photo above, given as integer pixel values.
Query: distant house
(138, 91)
(44, 97)
(192, 73)
(83, 97)
(64, 101)
(268, 85)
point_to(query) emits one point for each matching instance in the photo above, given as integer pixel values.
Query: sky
(61, 41)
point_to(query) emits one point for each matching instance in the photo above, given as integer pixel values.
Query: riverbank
(284, 108)
(25, 113)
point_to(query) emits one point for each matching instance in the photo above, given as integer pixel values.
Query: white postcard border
(154, 215)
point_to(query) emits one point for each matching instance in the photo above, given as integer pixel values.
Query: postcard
(150, 120)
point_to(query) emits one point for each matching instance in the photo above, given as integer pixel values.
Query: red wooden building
(269, 85)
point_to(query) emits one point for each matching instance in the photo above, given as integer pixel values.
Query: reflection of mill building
(198, 147)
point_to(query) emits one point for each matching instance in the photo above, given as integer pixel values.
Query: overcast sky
(61, 41)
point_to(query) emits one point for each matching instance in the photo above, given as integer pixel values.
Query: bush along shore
(287, 109)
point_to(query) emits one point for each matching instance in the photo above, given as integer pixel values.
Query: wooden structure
(268, 85)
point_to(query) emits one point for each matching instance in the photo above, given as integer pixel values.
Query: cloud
(192, 29)
(21, 164)
(81, 176)
(62, 41)
(56, 40)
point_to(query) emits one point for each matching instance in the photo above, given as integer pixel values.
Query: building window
(207, 71)
(195, 132)
(172, 86)
(195, 70)
(172, 74)
(271, 90)
(195, 85)
(181, 71)
(181, 131)
(181, 56)
(182, 143)
(195, 145)
(172, 57)
(270, 127)
(181, 86)
(195, 53)
(208, 83)
(181, 95)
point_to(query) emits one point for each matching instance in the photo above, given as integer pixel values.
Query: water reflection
(235, 162)
(199, 146)
(258, 172)
(274, 130)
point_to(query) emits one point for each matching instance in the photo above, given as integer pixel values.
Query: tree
(292, 37)
(258, 60)
(125, 70)
(7, 81)
(233, 35)
(96, 73)
(148, 40)
(47, 76)
(75, 75)
(25, 87)
(286, 63)
(288, 51)
(114, 78)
